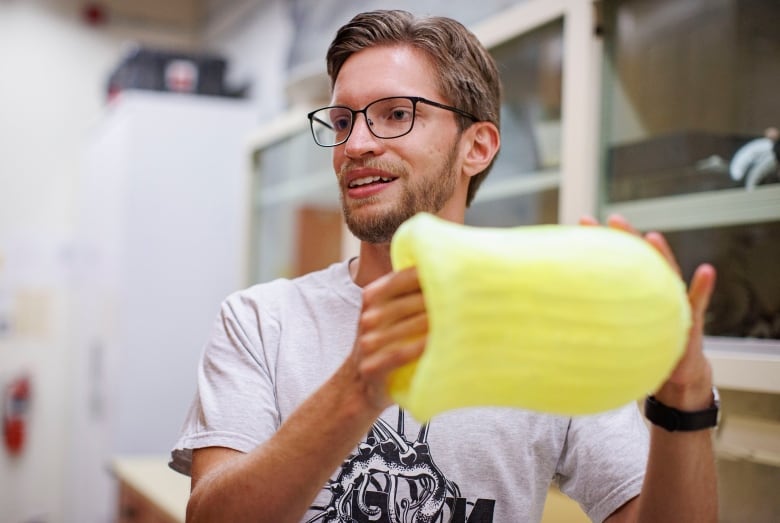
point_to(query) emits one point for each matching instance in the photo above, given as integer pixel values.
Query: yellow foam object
(560, 319)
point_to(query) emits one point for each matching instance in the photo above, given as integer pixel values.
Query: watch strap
(673, 419)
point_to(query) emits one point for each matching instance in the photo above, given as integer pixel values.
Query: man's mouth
(369, 180)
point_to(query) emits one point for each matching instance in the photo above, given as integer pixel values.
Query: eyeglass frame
(354, 112)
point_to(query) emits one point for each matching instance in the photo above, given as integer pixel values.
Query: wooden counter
(149, 491)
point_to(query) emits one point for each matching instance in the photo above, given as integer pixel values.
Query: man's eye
(400, 115)
(340, 124)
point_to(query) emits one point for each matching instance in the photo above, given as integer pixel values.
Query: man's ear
(482, 141)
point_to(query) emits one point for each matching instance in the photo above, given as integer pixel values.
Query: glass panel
(687, 97)
(531, 68)
(274, 244)
(525, 209)
(292, 158)
(290, 176)
(746, 302)
(690, 92)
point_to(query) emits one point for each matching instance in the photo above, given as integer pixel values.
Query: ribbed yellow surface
(559, 319)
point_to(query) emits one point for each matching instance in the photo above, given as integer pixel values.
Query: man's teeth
(369, 179)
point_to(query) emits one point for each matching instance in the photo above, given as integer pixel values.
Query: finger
(616, 221)
(410, 328)
(378, 365)
(702, 286)
(391, 285)
(658, 241)
(379, 315)
(588, 220)
(693, 367)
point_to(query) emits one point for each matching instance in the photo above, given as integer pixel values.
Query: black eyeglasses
(387, 118)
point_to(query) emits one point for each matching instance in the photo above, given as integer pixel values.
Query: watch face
(716, 405)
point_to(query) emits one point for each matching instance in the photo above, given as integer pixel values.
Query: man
(292, 421)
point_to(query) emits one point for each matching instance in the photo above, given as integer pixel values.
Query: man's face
(384, 182)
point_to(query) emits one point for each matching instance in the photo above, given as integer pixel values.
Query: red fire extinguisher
(16, 404)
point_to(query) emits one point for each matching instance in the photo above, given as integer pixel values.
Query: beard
(423, 194)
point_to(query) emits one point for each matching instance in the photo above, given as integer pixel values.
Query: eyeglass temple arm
(447, 107)
(322, 122)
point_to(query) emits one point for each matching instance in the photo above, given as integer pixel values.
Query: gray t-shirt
(274, 344)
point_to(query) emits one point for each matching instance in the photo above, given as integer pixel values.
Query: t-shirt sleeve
(604, 460)
(235, 403)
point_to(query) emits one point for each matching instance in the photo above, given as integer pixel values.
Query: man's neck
(373, 262)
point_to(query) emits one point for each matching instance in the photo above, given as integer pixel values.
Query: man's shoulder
(334, 274)
(334, 278)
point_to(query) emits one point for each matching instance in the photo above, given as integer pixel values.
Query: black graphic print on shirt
(393, 480)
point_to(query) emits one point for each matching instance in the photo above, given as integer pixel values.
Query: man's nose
(361, 140)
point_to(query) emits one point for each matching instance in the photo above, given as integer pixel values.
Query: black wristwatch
(673, 420)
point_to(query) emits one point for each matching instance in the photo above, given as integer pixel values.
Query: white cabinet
(161, 241)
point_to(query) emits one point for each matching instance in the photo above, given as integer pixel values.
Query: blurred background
(155, 156)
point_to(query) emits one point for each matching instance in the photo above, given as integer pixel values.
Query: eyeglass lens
(388, 118)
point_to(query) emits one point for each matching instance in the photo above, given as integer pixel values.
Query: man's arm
(680, 482)
(277, 481)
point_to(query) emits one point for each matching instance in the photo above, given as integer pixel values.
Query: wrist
(356, 396)
(692, 393)
(673, 419)
(686, 397)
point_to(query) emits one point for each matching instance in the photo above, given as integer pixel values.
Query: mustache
(393, 168)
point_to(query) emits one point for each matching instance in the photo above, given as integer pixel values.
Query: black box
(172, 71)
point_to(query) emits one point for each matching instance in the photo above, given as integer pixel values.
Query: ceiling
(182, 14)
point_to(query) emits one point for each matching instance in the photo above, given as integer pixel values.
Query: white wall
(50, 86)
(255, 37)
(52, 73)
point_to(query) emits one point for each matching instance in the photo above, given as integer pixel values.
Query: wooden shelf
(520, 184)
(751, 439)
(745, 363)
(698, 210)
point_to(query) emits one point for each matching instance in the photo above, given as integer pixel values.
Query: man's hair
(466, 73)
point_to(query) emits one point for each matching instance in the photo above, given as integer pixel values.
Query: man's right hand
(392, 331)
